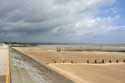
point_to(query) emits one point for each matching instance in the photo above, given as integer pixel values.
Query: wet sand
(112, 70)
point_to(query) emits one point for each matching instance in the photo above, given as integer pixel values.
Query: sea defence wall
(24, 69)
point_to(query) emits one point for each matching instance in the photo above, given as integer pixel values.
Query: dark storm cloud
(46, 19)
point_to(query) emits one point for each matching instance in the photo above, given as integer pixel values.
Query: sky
(63, 21)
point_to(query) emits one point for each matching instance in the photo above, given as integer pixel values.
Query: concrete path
(3, 62)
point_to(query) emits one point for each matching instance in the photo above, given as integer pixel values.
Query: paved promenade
(3, 62)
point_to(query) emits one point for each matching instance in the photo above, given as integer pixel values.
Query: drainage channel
(25, 70)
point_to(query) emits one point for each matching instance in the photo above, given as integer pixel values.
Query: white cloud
(88, 25)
